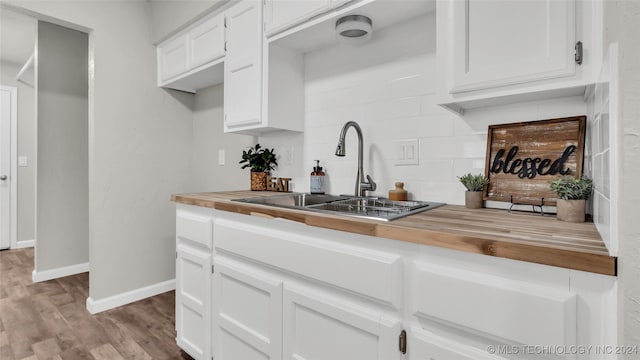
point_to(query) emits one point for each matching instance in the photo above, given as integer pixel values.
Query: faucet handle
(371, 185)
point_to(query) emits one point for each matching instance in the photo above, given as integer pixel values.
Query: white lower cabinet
(247, 312)
(283, 290)
(320, 326)
(194, 231)
(193, 304)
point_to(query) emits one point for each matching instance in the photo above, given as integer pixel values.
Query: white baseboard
(38, 276)
(25, 244)
(96, 306)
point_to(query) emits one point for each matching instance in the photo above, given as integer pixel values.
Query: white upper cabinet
(497, 43)
(172, 58)
(498, 52)
(192, 59)
(206, 41)
(283, 14)
(243, 66)
(263, 84)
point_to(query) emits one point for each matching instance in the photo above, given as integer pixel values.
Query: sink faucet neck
(361, 185)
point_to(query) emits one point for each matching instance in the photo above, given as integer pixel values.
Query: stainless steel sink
(293, 200)
(362, 207)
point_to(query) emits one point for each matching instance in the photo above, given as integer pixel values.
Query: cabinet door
(206, 41)
(243, 65)
(172, 58)
(498, 43)
(426, 345)
(193, 301)
(247, 319)
(284, 14)
(319, 326)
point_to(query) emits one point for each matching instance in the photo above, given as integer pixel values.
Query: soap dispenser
(317, 179)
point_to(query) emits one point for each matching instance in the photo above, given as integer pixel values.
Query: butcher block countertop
(517, 235)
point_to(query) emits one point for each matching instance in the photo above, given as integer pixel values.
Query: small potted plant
(261, 161)
(573, 193)
(474, 184)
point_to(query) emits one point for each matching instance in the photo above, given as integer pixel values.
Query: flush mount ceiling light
(354, 29)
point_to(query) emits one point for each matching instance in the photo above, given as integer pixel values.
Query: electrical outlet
(407, 152)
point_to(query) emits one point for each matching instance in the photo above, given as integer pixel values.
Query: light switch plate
(221, 157)
(407, 152)
(287, 157)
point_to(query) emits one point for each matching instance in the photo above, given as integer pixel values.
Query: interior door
(8, 112)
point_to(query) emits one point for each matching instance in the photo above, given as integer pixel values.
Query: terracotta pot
(570, 210)
(259, 181)
(473, 199)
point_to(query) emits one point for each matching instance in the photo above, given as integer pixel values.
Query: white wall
(388, 86)
(139, 146)
(26, 147)
(63, 164)
(208, 139)
(622, 25)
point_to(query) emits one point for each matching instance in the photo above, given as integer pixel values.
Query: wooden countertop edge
(583, 261)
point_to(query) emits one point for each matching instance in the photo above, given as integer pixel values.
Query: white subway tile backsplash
(449, 192)
(412, 85)
(464, 166)
(603, 131)
(606, 179)
(392, 109)
(429, 106)
(435, 126)
(333, 117)
(432, 170)
(453, 147)
(561, 107)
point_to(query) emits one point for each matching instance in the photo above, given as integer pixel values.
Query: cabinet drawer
(375, 274)
(195, 228)
(497, 307)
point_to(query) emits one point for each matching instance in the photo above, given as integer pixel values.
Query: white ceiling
(17, 37)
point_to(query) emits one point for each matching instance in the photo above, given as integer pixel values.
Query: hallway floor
(49, 320)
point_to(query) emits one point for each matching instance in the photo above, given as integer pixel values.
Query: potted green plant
(573, 194)
(261, 161)
(474, 184)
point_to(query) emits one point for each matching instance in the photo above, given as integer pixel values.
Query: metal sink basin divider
(362, 207)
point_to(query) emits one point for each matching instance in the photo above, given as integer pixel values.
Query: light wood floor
(49, 320)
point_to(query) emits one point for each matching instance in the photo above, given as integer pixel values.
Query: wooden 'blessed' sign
(523, 157)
